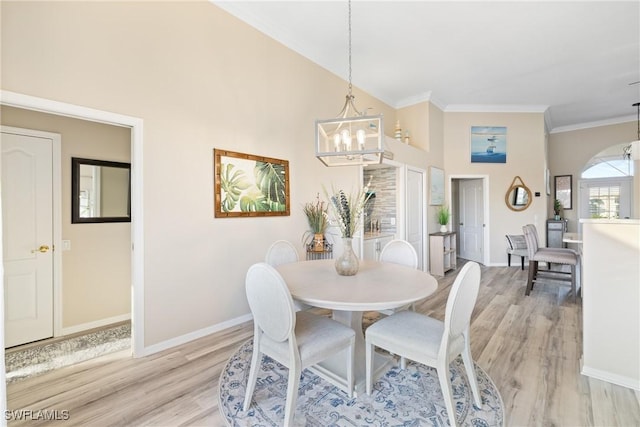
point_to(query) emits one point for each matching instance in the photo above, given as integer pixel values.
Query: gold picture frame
(247, 185)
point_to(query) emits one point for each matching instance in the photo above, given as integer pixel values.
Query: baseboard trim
(96, 324)
(620, 380)
(183, 339)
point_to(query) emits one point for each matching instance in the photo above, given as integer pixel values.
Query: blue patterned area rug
(409, 397)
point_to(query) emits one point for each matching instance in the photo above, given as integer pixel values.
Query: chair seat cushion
(400, 333)
(314, 335)
(556, 255)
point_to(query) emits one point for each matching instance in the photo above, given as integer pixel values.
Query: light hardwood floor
(530, 346)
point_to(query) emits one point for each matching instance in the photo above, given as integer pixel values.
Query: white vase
(443, 228)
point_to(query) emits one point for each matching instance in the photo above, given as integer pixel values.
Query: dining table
(376, 286)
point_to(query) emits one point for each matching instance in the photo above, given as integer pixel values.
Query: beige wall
(96, 273)
(570, 151)
(199, 79)
(525, 158)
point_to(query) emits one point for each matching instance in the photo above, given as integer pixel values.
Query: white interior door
(415, 212)
(471, 220)
(27, 212)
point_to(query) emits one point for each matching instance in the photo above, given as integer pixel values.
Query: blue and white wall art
(488, 144)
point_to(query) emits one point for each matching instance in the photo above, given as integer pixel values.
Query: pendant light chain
(350, 48)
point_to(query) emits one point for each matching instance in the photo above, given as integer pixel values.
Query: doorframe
(18, 100)
(56, 191)
(486, 244)
(425, 232)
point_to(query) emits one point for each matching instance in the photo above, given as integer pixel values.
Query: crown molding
(499, 108)
(595, 124)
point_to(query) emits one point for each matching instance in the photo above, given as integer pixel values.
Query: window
(604, 201)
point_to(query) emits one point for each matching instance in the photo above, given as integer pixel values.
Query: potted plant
(557, 207)
(443, 217)
(318, 220)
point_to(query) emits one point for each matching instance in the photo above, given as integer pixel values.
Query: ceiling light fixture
(632, 151)
(352, 138)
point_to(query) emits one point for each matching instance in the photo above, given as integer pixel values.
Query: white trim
(425, 206)
(173, 342)
(56, 191)
(137, 219)
(486, 244)
(488, 108)
(589, 125)
(632, 383)
(96, 324)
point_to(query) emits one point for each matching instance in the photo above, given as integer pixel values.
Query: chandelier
(352, 138)
(632, 150)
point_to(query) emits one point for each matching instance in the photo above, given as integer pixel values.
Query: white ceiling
(575, 60)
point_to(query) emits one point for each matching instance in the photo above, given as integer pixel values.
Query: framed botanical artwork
(563, 190)
(488, 144)
(436, 193)
(248, 186)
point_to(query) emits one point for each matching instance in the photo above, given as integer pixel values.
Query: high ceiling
(574, 60)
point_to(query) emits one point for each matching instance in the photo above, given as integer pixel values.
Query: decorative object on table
(444, 214)
(347, 211)
(250, 186)
(407, 139)
(436, 195)
(563, 191)
(353, 138)
(397, 133)
(318, 220)
(398, 397)
(557, 207)
(488, 144)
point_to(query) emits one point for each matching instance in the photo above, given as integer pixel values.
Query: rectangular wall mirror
(100, 191)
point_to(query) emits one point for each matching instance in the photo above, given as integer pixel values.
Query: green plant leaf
(270, 180)
(232, 184)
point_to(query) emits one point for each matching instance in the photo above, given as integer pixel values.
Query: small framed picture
(563, 190)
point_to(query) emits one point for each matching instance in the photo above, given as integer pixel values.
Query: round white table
(376, 286)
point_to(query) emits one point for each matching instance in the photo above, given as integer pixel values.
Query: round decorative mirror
(518, 197)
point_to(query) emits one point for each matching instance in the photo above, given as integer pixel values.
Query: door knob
(42, 248)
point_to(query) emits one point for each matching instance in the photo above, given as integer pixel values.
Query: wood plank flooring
(529, 346)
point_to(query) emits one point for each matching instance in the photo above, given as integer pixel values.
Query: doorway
(469, 215)
(137, 243)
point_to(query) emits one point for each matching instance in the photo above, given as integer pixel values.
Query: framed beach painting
(248, 186)
(488, 144)
(436, 195)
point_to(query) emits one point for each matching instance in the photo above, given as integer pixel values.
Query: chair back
(531, 236)
(270, 302)
(281, 252)
(400, 252)
(462, 299)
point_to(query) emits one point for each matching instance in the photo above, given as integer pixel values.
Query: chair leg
(533, 269)
(351, 366)
(368, 364)
(292, 393)
(522, 263)
(253, 374)
(445, 385)
(471, 371)
(403, 362)
(573, 283)
(509, 260)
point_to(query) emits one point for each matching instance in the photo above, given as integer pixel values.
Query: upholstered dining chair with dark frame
(432, 342)
(562, 256)
(295, 339)
(516, 245)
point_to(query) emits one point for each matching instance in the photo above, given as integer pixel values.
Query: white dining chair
(432, 342)
(295, 339)
(403, 253)
(281, 252)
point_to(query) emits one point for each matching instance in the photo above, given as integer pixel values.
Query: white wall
(610, 295)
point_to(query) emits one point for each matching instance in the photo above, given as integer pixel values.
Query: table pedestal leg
(333, 369)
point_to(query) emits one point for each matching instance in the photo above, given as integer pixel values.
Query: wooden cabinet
(372, 246)
(442, 253)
